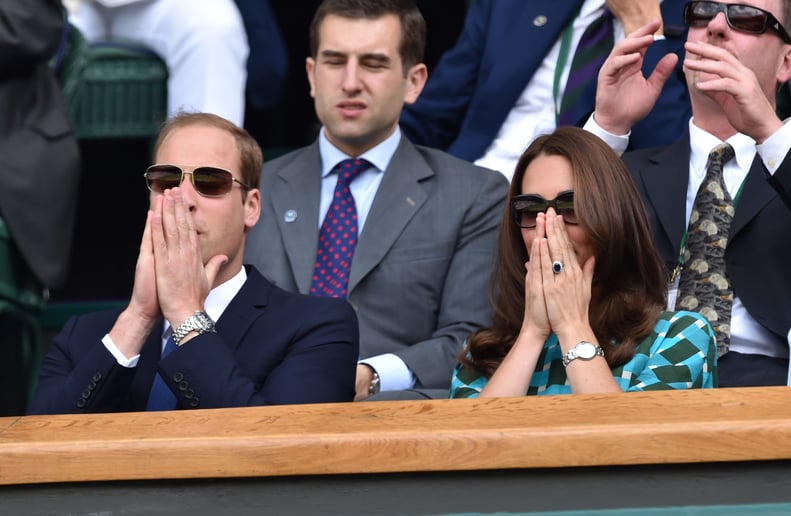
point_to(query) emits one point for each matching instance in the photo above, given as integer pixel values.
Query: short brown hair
(251, 159)
(413, 25)
(628, 291)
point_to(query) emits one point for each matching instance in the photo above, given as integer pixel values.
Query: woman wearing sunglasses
(578, 288)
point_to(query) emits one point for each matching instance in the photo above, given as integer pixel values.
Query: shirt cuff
(775, 148)
(616, 142)
(394, 375)
(119, 357)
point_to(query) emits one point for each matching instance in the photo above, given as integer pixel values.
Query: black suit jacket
(39, 157)
(759, 245)
(271, 347)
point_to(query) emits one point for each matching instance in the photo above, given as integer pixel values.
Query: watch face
(585, 350)
(203, 321)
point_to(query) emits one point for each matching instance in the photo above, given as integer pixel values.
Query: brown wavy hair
(628, 291)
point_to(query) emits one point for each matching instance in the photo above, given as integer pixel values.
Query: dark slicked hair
(413, 25)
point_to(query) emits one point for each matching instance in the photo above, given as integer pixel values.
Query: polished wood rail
(703, 426)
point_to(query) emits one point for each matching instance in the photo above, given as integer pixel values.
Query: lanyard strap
(563, 57)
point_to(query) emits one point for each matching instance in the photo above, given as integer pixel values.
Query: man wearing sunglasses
(737, 55)
(201, 330)
(427, 222)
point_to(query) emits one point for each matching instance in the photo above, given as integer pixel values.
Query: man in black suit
(736, 58)
(268, 346)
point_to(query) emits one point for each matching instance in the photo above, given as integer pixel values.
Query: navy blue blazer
(757, 256)
(781, 182)
(267, 64)
(271, 347)
(477, 82)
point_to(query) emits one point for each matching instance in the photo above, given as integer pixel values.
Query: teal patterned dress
(680, 353)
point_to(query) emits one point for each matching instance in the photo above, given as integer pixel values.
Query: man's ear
(252, 207)
(310, 66)
(784, 73)
(416, 80)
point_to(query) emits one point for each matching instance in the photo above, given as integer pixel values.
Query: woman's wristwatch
(584, 350)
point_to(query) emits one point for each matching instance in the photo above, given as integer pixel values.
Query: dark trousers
(743, 370)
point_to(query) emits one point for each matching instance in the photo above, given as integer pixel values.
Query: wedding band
(557, 266)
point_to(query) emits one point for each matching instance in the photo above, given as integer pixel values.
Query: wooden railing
(701, 426)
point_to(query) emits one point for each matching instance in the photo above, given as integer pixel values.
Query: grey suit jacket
(420, 271)
(39, 157)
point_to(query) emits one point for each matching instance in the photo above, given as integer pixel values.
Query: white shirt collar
(379, 156)
(702, 142)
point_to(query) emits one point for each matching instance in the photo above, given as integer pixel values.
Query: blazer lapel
(398, 198)
(244, 307)
(756, 193)
(296, 191)
(666, 177)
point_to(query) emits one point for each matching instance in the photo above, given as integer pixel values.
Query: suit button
(81, 403)
(189, 393)
(92, 385)
(177, 377)
(97, 377)
(183, 386)
(195, 402)
(85, 394)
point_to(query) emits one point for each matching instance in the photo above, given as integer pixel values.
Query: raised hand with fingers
(567, 285)
(624, 96)
(536, 321)
(182, 279)
(719, 75)
(141, 315)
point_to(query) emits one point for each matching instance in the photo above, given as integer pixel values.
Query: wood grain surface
(722, 425)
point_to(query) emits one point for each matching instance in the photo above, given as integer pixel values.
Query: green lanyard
(563, 57)
(680, 262)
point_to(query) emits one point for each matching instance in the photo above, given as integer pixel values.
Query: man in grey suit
(427, 221)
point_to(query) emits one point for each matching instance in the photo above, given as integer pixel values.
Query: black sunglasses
(208, 181)
(525, 208)
(741, 17)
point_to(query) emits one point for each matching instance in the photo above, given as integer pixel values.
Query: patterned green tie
(704, 286)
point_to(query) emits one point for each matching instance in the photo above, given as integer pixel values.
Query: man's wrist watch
(199, 322)
(376, 384)
(584, 350)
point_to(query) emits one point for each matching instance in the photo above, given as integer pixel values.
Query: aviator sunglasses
(207, 181)
(525, 208)
(741, 17)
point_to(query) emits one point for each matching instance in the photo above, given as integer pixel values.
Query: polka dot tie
(338, 235)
